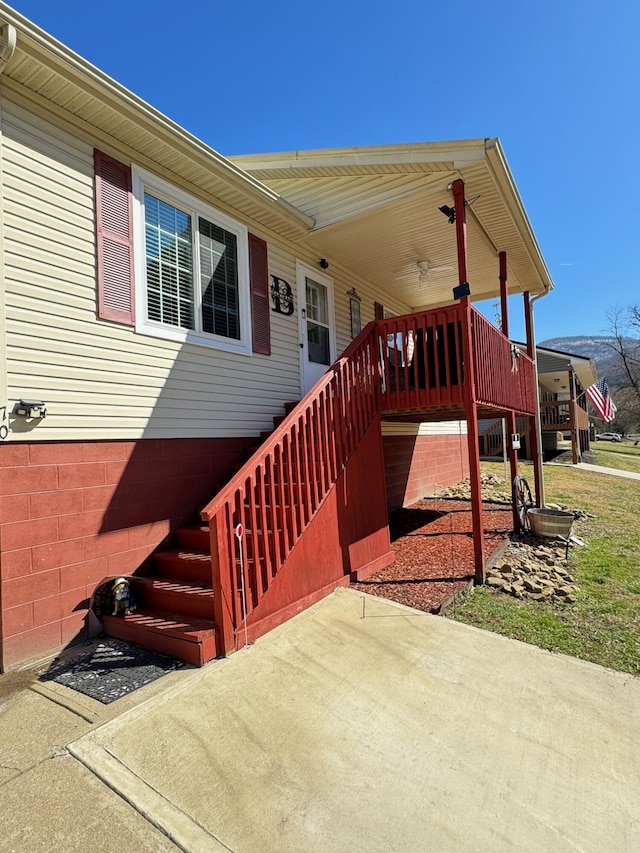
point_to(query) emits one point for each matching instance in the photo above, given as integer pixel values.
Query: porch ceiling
(376, 213)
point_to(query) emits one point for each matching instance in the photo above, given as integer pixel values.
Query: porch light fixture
(323, 263)
(30, 409)
(450, 212)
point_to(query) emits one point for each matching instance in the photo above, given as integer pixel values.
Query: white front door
(317, 325)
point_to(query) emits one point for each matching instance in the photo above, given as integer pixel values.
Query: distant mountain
(596, 347)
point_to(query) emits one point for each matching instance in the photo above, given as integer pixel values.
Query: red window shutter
(114, 239)
(378, 311)
(259, 278)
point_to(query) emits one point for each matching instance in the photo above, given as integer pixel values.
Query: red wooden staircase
(174, 605)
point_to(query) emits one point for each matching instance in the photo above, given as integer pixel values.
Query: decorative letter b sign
(282, 296)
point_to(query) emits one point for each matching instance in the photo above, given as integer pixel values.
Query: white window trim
(146, 182)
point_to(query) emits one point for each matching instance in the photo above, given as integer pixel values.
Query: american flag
(601, 399)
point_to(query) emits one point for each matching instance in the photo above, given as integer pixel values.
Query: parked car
(608, 436)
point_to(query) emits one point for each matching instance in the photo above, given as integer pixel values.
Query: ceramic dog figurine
(122, 599)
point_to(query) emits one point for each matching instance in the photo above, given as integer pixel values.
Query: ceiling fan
(428, 271)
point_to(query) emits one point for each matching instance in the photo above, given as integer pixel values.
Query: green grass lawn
(603, 625)
(624, 456)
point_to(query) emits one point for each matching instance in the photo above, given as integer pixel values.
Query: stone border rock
(534, 571)
(528, 567)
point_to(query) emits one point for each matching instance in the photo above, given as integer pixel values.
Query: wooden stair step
(195, 538)
(290, 406)
(183, 565)
(191, 640)
(176, 595)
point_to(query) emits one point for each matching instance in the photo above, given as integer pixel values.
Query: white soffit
(376, 212)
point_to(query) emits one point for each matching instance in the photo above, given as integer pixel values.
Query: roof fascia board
(55, 56)
(458, 153)
(501, 173)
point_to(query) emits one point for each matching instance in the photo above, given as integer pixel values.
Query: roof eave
(503, 177)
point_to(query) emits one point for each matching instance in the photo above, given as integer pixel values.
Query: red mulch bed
(433, 546)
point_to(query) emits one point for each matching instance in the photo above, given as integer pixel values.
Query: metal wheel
(522, 501)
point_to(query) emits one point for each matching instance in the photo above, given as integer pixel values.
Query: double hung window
(193, 262)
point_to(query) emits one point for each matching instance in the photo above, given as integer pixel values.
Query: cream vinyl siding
(438, 428)
(343, 281)
(99, 379)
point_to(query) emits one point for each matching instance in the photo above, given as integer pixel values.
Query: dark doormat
(110, 670)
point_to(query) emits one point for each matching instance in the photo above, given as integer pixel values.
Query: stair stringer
(348, 537)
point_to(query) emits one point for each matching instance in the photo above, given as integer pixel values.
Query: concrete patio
(399, 731)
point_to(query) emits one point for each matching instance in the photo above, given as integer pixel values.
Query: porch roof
(554, 367)
(375, 211)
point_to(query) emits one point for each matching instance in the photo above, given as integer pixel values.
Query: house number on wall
(4, 430)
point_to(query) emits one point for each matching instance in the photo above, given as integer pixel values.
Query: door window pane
(319, 351)
(318, 342)
(317, 302)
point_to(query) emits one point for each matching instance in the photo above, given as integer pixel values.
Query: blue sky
(557, 80)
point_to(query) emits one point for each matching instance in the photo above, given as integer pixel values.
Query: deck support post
(470, 402)
(511, 415)
(535, 432)
(573, 421)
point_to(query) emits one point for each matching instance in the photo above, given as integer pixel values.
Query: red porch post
(533, 421)
(471, 408)
(511, 415)
(575, 438)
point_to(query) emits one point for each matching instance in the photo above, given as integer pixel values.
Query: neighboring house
(562, 380)
(168, 308)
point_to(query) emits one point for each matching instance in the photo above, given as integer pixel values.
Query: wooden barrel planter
(550, 522)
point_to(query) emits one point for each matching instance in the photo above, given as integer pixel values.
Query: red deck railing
(403, 363)
(421, 359)
(504, 376)
(422, 363)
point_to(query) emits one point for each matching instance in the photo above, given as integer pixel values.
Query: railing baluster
(294, 526)
(269, 531)
(312, 453)
(275, 522)
(337, 419)
(327, 466)
(298, 470)
(306, 473)
(251, 568)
